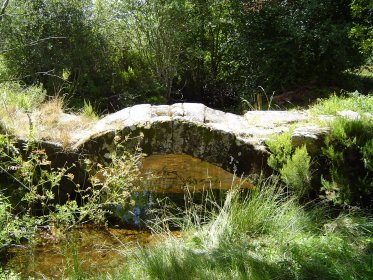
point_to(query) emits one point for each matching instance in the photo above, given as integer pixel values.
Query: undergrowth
(34, 192)
(27, 111)
(264, 234)
(342, 172)
(350, 101)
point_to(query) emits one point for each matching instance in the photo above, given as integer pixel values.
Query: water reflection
(174, 172)
(176, 177)
(89, 250)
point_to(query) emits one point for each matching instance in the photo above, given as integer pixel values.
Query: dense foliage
(342, 170)
(119, 52)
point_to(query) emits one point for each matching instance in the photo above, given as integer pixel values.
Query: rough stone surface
(311, 136)
(234, 142)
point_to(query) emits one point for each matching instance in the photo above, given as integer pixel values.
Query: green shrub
(5, 218)
(14, 229)
(9, 275)
(349, 153)
(352, 101)
(294, 165)
(88, 111)
(296, 172)
(37, 188)
(280, 148)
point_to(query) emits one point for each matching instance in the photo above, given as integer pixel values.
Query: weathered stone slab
(271, 118)
(214, 116)
(177, 110)
(140, 114)
(311, 136)
(194, 112)
(236, 143)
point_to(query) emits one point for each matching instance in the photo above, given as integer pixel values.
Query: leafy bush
(294, 165)
(36, 187)
(14, 229)
(349, 153)
(9, 275)
(5, 218)
(362, 30)
(120, 52)
(296, 172)
(15, 96)
(280, 148)
(345, 175)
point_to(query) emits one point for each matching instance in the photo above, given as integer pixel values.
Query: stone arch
(182, 137)
(233, 142)
(187, 128)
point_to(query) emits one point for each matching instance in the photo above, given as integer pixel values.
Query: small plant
(281, 149)
(88, 111)
(112, 183)
(15, 96)
(294, 165)
(296, 172)
(9, 275)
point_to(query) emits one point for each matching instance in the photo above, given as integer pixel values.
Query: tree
(362, 29)
(282, 44)
(54, 43)
(156, 30)
(3, 9)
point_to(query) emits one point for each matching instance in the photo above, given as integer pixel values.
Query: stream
(98, 250)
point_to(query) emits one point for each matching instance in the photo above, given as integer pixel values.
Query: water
(98, 250)
(175, 177)
(174, 173)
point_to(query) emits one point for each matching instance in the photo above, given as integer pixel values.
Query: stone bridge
(233, 142)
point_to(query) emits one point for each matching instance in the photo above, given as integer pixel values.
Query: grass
(28, 112)
(352, 101)
(262, 235)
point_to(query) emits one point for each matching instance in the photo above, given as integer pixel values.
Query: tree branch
(33, 43)
(3, 8)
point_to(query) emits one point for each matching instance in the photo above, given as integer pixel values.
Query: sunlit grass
(352, 101)
(262, 235)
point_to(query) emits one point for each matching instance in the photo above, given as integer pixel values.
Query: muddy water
(176, 178)
(95, 251)
(176, 173)
(90, 251)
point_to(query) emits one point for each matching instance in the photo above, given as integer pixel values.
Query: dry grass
(47, 122)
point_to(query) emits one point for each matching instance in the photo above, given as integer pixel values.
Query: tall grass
(262, 235)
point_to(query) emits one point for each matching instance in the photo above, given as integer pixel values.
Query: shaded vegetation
(343, 171)
(117, 53)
